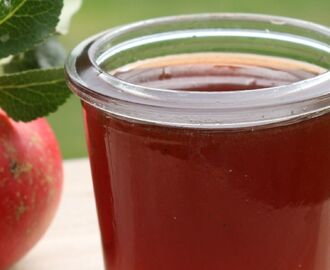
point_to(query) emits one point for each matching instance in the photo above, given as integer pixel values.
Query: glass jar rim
(195, 108)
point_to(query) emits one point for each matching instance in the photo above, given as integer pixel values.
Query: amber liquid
(191, 199)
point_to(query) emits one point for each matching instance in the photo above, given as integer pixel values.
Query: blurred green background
(97, 15)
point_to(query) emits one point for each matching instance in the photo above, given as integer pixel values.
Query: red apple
(31, 177)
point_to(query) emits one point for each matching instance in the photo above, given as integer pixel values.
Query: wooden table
(72, 241)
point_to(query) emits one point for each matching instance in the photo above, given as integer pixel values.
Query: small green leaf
(26, 23)
(21, 62)
(47, 55)
(31, 94)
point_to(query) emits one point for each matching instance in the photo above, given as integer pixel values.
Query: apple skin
(31, 178)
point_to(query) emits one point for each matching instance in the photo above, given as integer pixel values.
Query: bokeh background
(97, 15)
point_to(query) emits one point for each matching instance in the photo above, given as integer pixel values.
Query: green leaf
(26, 23)
(47, 55)
(20, 62)
(31, 94)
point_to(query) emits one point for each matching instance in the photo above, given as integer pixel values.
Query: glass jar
(208, 179)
